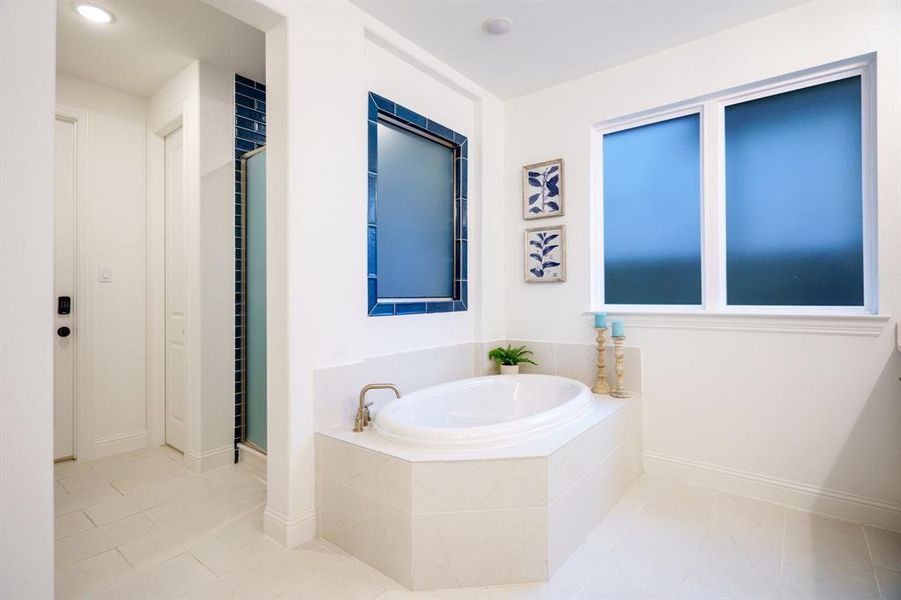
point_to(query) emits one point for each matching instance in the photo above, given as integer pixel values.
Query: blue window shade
(415, 213)
(652, 213)
(794, 215)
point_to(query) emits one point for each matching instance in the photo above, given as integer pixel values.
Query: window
(652, 213)
(416, 212)
(794, 198)
(753, 200)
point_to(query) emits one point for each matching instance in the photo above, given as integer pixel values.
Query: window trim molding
(382, 109)
(711, 108)
(832, 324)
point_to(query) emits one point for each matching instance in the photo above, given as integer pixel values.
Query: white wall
(217, 264)
(27, 46)
(111, 215)
(806, 413)
(200, 99)
(325, 115)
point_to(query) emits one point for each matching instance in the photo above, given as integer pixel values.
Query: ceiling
(556, 40)
(152, 40)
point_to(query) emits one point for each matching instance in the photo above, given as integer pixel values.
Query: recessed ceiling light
(497, 25)
(94, 14)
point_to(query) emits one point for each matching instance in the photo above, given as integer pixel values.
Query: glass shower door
(255, 298)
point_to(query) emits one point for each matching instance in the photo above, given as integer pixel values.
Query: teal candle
(600, 320)
(619, 329)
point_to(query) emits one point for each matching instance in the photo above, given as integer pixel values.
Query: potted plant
(509, 358)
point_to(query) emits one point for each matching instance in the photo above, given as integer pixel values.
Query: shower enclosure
(253, 168)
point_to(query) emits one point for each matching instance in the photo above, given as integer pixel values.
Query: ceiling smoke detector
(94, 14)
(497, 25)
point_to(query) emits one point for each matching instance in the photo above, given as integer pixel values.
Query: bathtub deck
(604, 408)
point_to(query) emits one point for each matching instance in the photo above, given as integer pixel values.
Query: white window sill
(856, 325)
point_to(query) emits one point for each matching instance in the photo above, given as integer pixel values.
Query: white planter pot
(509, 369)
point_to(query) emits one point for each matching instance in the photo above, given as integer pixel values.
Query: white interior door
(64, 286)
(176, 256)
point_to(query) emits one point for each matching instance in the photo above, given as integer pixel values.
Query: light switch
(106, 275)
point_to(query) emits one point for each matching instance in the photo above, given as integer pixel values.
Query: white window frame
(713, 198)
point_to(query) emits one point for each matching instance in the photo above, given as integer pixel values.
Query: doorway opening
(176, 292)
(64, 277)
(148, 229)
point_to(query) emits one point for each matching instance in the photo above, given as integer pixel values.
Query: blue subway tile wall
(379, 108)
(250, 134)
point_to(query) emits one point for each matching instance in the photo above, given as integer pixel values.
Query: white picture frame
(544, 254)
(542, 190)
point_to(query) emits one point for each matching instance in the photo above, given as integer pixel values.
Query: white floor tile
(889, 583)
(70, 468)
(66, 503)
(70, 524)
(680, 504)
(131, 504)
(349, 579)
(99, 475)
(823, 583)
(151, 479)
(652, 558)
(170, 579)
(236, 545)
(266, 576)
(822, 544)
(162, 532)
(92, 577)
(167, 542)
(695, 590)
(740, 553)
(133, 455)
(100, 539)
(885, 547)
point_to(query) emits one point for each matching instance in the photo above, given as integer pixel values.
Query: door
(176, 256)
(255, 278)
(64, 287)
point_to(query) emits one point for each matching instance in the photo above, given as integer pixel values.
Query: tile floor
(139, 525)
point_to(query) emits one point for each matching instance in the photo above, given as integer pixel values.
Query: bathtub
(483, 412)
(486, 481)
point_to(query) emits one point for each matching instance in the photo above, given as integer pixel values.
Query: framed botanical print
(545, 254)
(542, 190)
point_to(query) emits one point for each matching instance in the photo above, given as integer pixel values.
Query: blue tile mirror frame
(417, 213)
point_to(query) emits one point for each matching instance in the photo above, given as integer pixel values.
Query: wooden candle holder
(601, 386)
(619, 391)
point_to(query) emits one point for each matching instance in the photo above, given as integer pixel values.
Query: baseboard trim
(289, 532)
(118, 443)
(252, 459)
(842, 505)
(202, 462)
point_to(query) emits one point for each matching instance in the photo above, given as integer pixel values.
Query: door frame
(157, 131)
(82, 427)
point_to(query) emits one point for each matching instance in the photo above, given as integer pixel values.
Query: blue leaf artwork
(543, 189)
(544, 255)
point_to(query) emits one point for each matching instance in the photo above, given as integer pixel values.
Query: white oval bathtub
(483, 412)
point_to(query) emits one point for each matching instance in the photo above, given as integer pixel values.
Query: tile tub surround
(508, 515)
(336, 389)
(579, 361)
